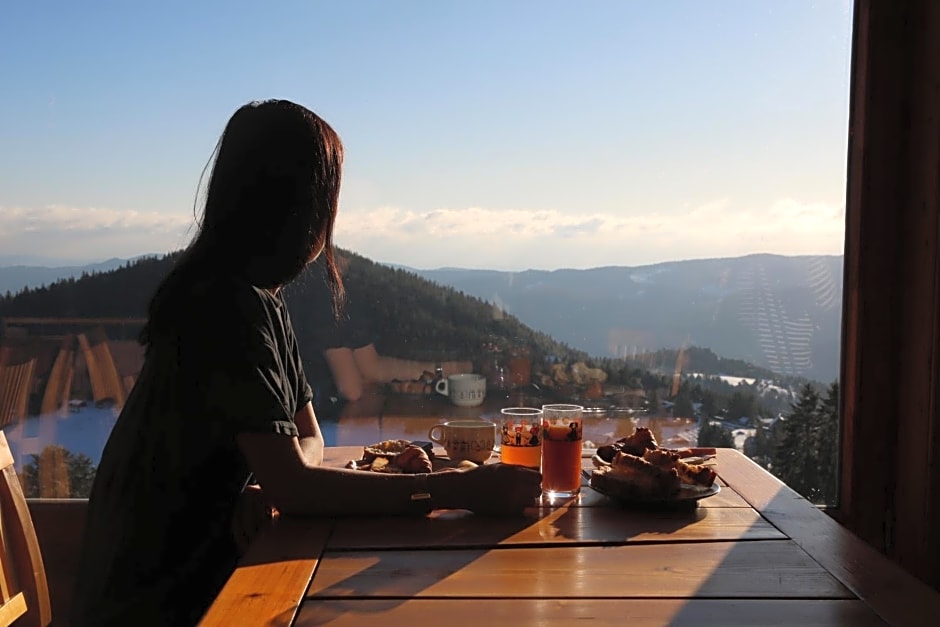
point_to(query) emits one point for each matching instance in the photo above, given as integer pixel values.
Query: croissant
(413, 459)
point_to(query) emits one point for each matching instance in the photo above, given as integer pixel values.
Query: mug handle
(438, 388)
(436, 440)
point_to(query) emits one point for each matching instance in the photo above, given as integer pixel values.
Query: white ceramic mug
(465, 439)
(464, 390)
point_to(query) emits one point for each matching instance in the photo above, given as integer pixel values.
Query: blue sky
(503, 134)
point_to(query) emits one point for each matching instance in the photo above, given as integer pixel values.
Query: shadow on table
(777, 582)
(388, 571)
(614, 524)
(379, 562)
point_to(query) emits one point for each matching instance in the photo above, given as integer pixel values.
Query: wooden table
(755, 554)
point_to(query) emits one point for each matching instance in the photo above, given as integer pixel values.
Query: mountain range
(17, 272)
(782, 313)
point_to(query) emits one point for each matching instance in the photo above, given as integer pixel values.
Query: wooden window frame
(890, 452)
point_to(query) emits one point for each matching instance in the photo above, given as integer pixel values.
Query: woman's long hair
(270, 205)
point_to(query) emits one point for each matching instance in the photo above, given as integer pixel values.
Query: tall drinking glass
(561, 450)
(521, 436)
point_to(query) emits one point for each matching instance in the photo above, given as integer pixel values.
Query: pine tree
(795, 458)
(827, 454)
(653, 399)
(709, 404)
(714, 435)
(683, 406)
(29, 478)
(79, 469)
(760, 446)
(742, 404)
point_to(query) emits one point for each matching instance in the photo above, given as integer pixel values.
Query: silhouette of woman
(222, 394)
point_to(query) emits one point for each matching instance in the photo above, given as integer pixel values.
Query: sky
(502, 134)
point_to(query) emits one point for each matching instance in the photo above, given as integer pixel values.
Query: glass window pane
(638, 207)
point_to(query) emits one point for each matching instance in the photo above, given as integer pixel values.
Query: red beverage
(561, 450)
(561, 465)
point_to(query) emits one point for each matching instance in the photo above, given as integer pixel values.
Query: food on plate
(414, 459)
(642, 440)
(637, 443)
(691, 474)
(393, 456)
(385, 448)
(632, 477)
(635, 467)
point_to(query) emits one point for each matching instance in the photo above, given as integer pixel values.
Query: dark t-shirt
(158, 544)
(318, 330)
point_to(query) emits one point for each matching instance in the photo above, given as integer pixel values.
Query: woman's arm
(297, 487)
(353, 369)
(347, 376)
(309, 438)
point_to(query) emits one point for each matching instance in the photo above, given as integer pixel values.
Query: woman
(340, 356)
(222, 395)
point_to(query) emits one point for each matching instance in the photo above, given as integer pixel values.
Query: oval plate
(688, 495)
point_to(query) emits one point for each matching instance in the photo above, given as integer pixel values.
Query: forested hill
(413, 316)
(122, 292)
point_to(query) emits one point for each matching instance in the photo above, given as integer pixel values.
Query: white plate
(687, 494)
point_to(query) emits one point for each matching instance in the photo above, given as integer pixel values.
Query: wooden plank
(7, 571)
(890, 407)
(59, 377)
(558, 526)
(894, 594)
(766, 569)
(12, 609)
(627, 612)
(916, 539)
(22, 543)
(94, 374)
(6, 455)
(53, 473)
(15, 384)
(270, 581)
(101, 347)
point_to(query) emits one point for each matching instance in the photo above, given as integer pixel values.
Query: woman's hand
(492, 489)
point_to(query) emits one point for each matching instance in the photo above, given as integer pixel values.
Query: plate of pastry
(404, 457)
(635, 470)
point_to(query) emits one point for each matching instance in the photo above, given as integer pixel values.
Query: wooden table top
(755, 554)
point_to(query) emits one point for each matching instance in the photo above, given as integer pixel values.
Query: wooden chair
(15, 382)
(24, 594)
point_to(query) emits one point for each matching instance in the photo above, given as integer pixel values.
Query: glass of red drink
(561, 450)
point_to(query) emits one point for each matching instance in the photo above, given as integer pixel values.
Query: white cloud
(511, 239)
(89, 233)
(519, 239)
